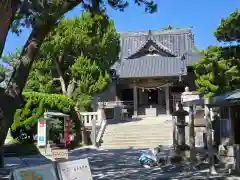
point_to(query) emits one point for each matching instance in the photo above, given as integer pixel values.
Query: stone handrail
(87, 117)
(100, 132)
(101, 122)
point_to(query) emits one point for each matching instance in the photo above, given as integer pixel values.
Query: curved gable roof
(156, 46)
(176, 41)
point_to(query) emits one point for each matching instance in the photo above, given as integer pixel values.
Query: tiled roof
(154, 66)
(149, 66)
(177, 41)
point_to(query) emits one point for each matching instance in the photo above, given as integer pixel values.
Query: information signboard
(41, 172)
(60, 154)
(42, 132)
(75, 170)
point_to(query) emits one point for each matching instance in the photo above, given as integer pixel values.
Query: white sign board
(42, 172)
(189, 97)
(75, 170)
(42, 132)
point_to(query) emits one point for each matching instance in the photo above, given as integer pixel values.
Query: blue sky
(204, 16)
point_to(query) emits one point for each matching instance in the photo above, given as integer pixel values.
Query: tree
(42, 23)
(9, 63)
(219, 70)
(12, 12)
(229, 29)
(80, 52)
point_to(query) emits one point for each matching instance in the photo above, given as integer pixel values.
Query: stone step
(136, 146)
(136, 128)
(140, 129)
(137, 136)
(138, 124)
(138, 132)
(145, 143)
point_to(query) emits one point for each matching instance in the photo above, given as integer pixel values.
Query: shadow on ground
(17, 156)
(123, 165)
(119, 164)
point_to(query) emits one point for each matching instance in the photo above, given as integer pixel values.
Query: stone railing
(87, 117)
(112, 104)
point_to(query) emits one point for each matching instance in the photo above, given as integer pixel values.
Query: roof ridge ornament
(149, 35)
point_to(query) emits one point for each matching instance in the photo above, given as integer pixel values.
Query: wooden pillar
(135, 100)
(117, 92)
(167, 99)
(192, 134)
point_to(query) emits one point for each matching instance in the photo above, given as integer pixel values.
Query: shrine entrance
(153, 97)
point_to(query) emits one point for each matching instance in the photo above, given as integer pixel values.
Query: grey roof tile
(155, 66)
(178, 41)
(150, 66)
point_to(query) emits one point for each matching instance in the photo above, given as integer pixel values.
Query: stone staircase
(148, 132)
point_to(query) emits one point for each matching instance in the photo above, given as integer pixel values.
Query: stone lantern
(180, 124)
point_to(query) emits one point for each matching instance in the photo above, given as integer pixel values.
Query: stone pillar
(100, 114)
(135, 100)
(209, 137)
(192, 134)
(180, 124)
(167, 99)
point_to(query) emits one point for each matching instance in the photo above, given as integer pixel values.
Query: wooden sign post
(60, 154)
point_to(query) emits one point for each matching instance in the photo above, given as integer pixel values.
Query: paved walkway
(115, 164)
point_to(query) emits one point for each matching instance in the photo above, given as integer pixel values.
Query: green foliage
(36, 105)
(10, 61)
(85, 48)
(218, 71)
(40, 78)
(12, 58)
(33, 13)
(229, 29)
(90, 80)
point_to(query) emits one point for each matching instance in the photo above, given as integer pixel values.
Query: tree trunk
(66, 90)
(60, 74)
(71, 87)
(13, 94)
(209, 141)
(8, 9)
(19, 78)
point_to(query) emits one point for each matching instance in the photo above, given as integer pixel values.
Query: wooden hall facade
(153, 69)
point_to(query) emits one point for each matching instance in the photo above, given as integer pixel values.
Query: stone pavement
(117, 165)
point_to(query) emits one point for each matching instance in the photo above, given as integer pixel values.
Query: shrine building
(153, 69)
